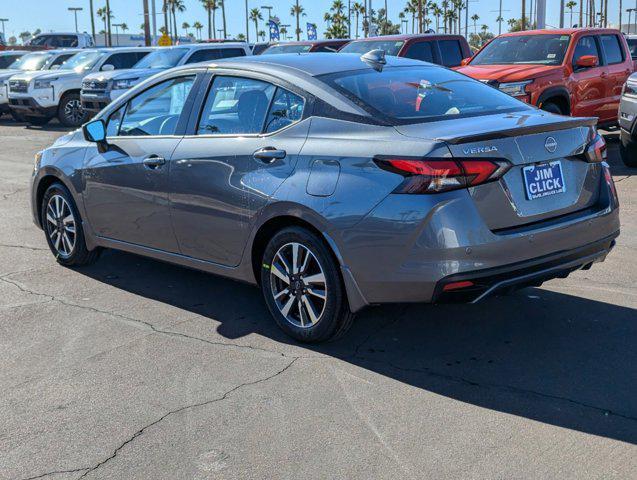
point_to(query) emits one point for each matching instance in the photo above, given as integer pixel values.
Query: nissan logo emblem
(550, 144)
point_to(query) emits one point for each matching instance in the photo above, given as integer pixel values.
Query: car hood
(509, 73)
(488, 127)
(5, 74)
(46, 74)
(121, 74)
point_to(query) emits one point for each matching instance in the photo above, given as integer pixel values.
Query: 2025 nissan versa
(334, 182)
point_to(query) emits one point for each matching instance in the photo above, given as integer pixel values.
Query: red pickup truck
(577, 72)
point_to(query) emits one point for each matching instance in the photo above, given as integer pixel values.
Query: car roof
(195, 46)
(405, 37)
(560, 31)
(304, 64)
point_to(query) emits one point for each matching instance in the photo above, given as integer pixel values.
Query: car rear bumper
(29, 106)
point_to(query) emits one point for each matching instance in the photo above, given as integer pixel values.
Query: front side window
(612, 49)
(235, 106)
(364, 46)
(31, 61)
(7, 60)
(421, 51)
(156, 111)
(286, 109)
(60, 60)
(418, 94)
(524, 49)
(585, 46)
(162, 58)
(451, 52)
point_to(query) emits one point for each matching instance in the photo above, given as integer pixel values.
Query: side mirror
(107, 68)
(465, 61)
(587, 61)
(95, 132)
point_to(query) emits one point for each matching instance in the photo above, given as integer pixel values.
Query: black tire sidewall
(628, 152)
(80, 251)
(552, 108)
(65, 100)
(336, 306)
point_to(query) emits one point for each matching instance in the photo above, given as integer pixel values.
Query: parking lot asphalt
(136, 369)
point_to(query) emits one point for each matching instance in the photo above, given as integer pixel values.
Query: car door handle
(269, 154)
(154, 161)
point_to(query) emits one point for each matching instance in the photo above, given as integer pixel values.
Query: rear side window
(632, 46)
(612, 49)
(205, 55)
(123, 60)
(451, 52)
(231, 52)
(421, 51)
(326, 48)
(585, 46)
(286, 109)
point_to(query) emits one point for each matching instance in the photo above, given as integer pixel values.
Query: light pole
(269, 9)
(75, 10)
(117, 25)
(147, 40)
(247, 24)
(2, 20)
(630, 13)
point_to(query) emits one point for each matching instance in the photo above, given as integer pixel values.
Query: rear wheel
(63, 228)
(70, 111)
(302, 287)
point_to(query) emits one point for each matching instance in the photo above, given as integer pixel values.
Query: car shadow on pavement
(52, 126)
(551, 357)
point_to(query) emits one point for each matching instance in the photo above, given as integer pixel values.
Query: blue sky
(53, 15)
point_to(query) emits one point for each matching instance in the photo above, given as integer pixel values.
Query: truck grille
(91, 86)
(18, 86)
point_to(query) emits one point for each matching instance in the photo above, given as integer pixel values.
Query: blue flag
(311, 31)
(274, 31)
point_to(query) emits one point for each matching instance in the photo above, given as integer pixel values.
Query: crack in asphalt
(25, 247)
(138, 433)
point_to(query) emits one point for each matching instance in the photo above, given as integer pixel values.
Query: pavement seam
(24, 247)
(57, 472)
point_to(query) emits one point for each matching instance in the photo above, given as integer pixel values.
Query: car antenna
(375, 58)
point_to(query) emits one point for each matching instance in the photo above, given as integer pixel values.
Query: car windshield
(286, 49)
(632, 46)
(83, 61)
(364, 46)
(524, 49)
(163, 58)
(418, 94)
(31, 61)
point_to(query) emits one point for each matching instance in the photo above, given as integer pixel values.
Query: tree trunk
(523, 24)
(214, 24)
(93, 22)
(108, 23)
(223, 17)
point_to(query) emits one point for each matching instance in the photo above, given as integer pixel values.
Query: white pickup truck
(39, 96)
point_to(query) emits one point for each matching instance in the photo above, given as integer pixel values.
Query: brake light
(596, 150)
(609, 181)
(424, 175)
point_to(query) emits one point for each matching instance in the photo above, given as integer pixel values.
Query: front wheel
(63, 228)
(70, 111)
(302, 287)
(628, 152)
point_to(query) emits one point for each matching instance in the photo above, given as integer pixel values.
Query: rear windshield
(364, 46)
(286, 49)
(163, 58)
(524, 49)
(418, 94)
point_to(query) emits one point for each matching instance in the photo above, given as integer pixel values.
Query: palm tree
(124, 27)
(475, 17)
(262, 35)
(410, 9)
(359, 9)
(198, 28)
(176, 6)
(437, 12)
(109, 15)
(241, 37)
(101, 13)
(185, 26)
(570, 5)
(210, 6)
(445, 7)
(93, 19)
(297, 11)
(255, 16)
(222, 4)
(523, 14)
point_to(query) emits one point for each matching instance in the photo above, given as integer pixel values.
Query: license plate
(543, 180)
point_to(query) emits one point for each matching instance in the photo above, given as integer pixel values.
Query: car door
(587, 84)
(126, 186)
(617, 70)
(231, 164)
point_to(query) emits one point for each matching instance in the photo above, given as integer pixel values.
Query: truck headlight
(44, 83)
(124, 83)
(515, 89)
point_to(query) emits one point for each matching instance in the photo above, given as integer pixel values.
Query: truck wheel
(552, 108)
(628, 152)
(17, 117)
(302, 287)
(70, 111)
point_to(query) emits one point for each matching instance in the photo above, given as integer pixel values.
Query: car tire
(70, 111)
(628, 152)
(62, 227)
(17, 117)
(552, 108)
(315, 307)
(38, 121)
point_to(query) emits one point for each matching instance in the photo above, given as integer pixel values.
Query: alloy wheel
(73, 111)
(298, 285)
(60, 226)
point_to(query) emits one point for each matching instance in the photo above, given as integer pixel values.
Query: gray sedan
(333, 182)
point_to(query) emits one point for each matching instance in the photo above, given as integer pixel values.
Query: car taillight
(609, 181)
(596, 150)
(424, 175)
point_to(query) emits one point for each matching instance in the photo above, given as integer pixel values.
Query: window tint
(6, 60)
(585, 46)
(61, 59)
(55, 41)
(115, 121)
(122, 60)
(205, 55)
(235, 106)
(157, 110)
(632, 46)
(286, 109)
(451, 52)
(421, 51)
(231, 52)
(612, 49)
(326, 48)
